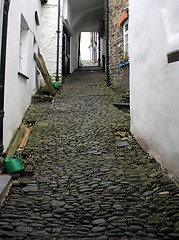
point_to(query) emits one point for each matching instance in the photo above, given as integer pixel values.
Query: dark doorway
(66, 54)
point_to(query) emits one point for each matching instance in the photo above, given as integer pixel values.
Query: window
(23, 48)
(125, 38)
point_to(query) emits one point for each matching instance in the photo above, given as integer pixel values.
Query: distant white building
(154, 79)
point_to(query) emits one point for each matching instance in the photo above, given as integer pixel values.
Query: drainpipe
(2, 71)
(107, 42)
(58, 42)
(99, 50)
(79, 49)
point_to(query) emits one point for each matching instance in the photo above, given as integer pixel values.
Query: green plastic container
(14, 164)
(57, 85)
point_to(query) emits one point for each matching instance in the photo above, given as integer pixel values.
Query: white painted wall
(18, 91)
(74, 46)
(154, 85)
(1, 19)
(74, 38)
(49, 35)
(65, 9)
(103, 47)
(67, 13)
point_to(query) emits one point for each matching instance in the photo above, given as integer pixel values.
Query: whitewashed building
(154, 75)
(1, 16)
(20, 79)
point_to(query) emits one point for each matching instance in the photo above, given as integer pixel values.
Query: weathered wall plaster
(154, 83)
(18, 90)
(74, 46)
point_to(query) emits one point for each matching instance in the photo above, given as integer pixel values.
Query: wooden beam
(45, 74)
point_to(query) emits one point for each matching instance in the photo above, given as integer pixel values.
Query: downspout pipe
(99, 50)
(58, 42)
(79, 49)
(107, 42)
(2, 71)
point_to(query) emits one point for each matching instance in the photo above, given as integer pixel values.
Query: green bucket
(14, 164)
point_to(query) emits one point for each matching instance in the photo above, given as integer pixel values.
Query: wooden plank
(43, 64)
(46, 76)
(24, 140)
(15, 142)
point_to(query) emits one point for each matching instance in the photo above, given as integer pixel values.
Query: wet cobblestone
(83, 186)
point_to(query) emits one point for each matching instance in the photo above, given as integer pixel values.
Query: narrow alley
(83, 186)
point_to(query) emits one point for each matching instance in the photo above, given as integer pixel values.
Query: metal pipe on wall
(79, 50)
(107, 42)
(99, 49)
(2, 71)
(58, 42)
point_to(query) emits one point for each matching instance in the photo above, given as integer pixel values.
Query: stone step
(5, 185)
(126, 97)
(122, 105)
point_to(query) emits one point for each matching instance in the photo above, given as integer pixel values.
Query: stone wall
(116, 9)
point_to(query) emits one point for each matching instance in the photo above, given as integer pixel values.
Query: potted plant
(124, 58)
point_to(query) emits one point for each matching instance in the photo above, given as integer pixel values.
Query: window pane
(126, 38)
(126, 48)
(126, 27)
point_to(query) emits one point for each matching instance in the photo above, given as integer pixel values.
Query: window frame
(23, 48)
(126, 33)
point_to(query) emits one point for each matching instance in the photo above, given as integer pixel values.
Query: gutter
(2, 71)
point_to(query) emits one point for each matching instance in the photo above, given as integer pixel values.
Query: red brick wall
(116, 18)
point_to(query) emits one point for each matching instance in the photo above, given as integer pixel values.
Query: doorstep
(5, 185)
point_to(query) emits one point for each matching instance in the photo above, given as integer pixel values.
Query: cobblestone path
(83, 186)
